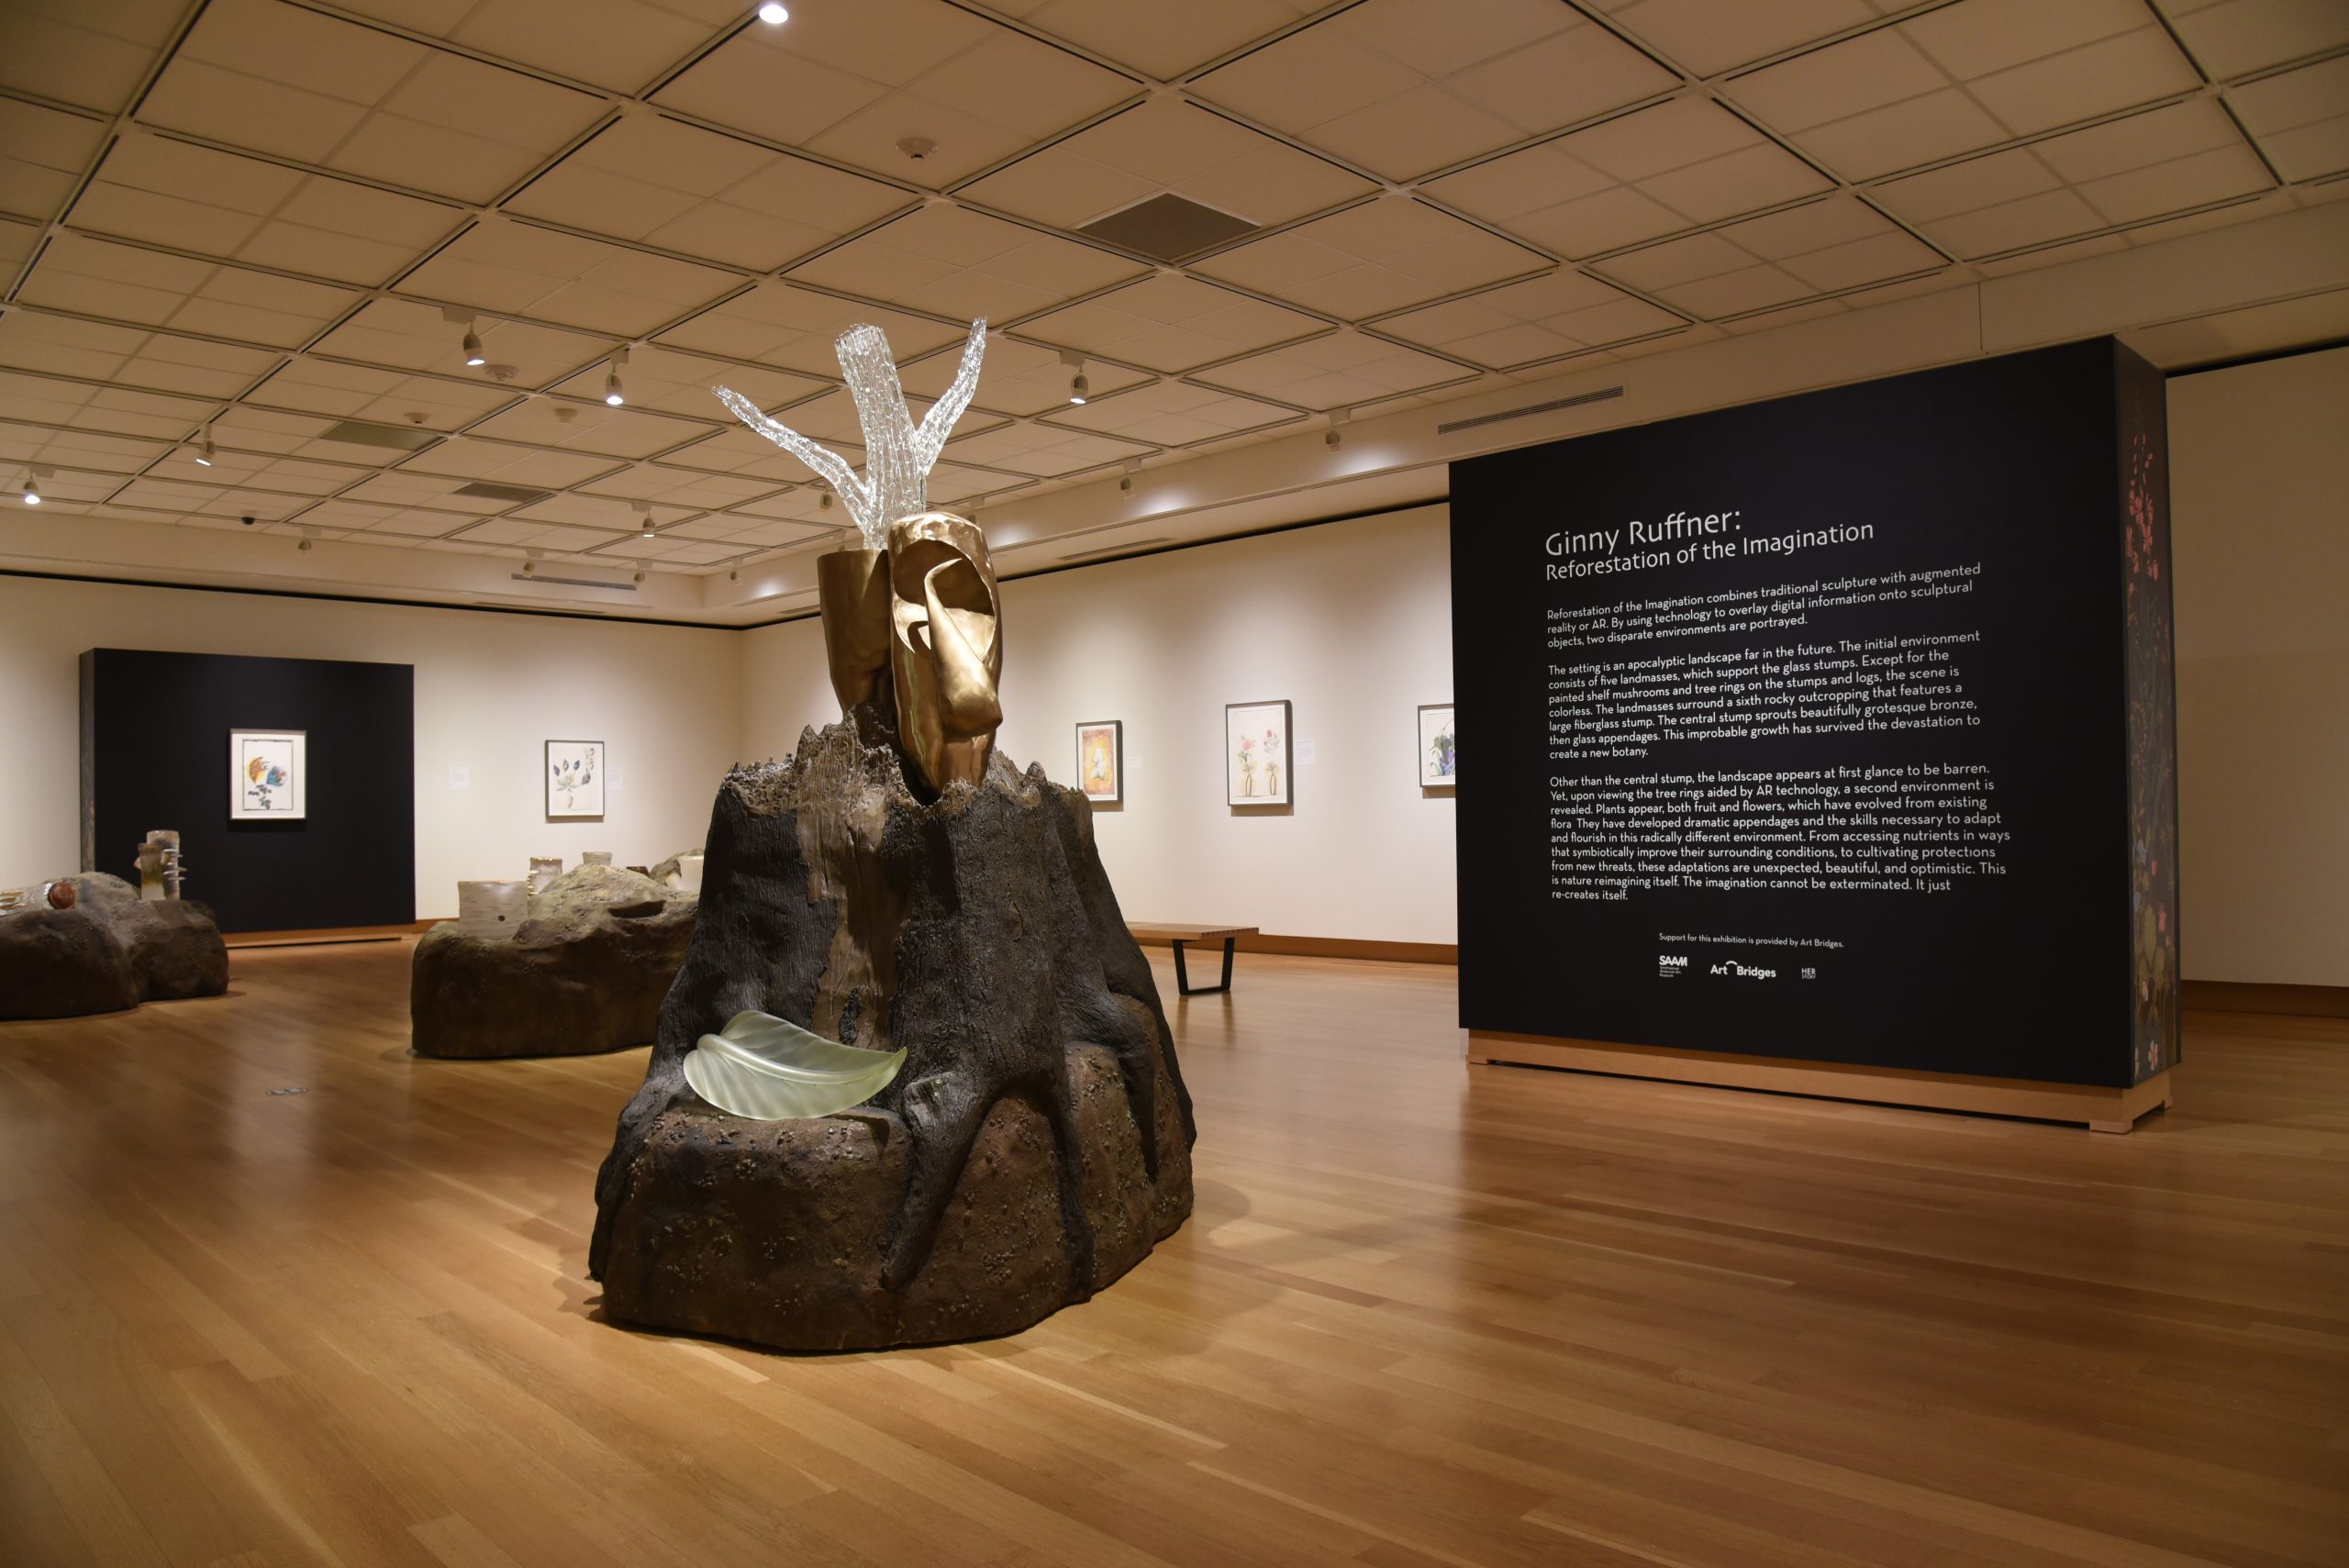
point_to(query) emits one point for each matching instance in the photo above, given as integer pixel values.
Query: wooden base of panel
(2095, 1107)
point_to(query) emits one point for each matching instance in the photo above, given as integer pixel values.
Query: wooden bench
(1176, 937)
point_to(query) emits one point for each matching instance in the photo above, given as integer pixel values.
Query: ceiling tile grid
(956, 262)
(1401, 87)
(269, 224)
(677, 187)
(92, 56)
(1368, 260)
(1964, 77)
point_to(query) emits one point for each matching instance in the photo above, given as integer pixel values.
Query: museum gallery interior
(731, 829)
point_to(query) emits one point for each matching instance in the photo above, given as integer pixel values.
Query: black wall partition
(155, 753)
(1835, 729)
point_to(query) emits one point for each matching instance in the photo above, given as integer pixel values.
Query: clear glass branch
(897, 457)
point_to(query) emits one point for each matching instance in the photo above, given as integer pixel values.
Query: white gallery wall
(1350, 621)
(2259, 507)
(490, 690)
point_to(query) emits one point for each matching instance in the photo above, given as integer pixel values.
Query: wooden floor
(1425, 1314)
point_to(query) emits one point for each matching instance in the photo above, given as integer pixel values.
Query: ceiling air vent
(1168, 228)
(1118, 549)
(519, 494)
(1576, 401)
(574, 582)
(398, 438)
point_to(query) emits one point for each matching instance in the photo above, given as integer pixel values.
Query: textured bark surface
(1035, 1145)
(109, 950)
(585, 971)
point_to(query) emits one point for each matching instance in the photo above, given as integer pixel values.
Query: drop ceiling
(268, 222)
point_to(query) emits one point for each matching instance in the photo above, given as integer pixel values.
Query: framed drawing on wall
(268, 775)
(1101, 760)
(574, 778)
(1256, 753)
(1436, 746)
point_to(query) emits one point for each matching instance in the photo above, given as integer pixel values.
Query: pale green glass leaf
(769, 1069)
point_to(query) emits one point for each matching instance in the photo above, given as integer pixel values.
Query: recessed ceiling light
(773, 15)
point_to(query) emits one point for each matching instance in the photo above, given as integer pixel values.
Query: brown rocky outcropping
(1036, 1143)
(107, 951)
(585, 971)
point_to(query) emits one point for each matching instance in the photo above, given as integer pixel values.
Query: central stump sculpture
(896, 887)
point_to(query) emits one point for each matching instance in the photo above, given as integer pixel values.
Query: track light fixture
(1336, 437)
(824, 501)
(644, 529)
(638, 578)
(612, 394)
(1134, 467)
(773, 15)
(464, 318)
(32, 492)
(203, 451)
(1079, 389)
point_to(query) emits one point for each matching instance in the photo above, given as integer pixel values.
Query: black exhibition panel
(1836, 727)
(155, 754)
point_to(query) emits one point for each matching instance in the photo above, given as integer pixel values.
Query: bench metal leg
(1183, 975)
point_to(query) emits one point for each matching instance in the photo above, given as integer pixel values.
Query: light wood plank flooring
(1425, 1314)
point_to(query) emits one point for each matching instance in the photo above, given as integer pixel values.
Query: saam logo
(1669, 964)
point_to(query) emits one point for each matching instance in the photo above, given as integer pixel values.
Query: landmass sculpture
(914, 1082)
(93, 944)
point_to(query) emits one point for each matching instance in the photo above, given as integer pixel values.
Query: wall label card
(1836, 727)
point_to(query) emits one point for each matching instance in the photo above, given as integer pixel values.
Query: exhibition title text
(1694, 537)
